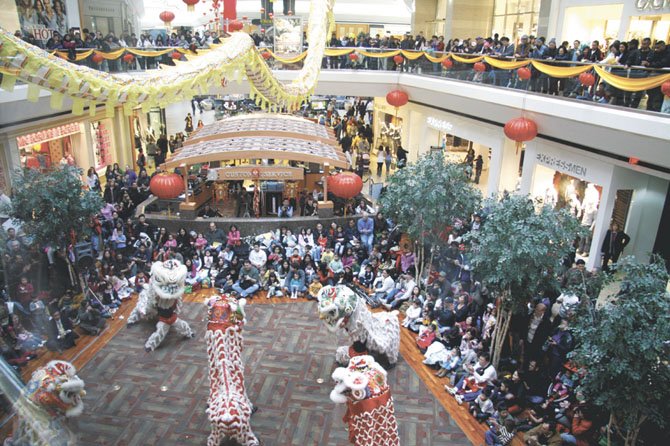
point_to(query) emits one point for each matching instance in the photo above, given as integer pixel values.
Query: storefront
(598, 191)
(48, 148)
(607, 20)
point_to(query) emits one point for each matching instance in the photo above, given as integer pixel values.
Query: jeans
(568, 438)
(245, 293)
(366, 240)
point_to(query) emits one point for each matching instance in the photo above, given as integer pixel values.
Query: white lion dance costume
(340, 307)
(53, 392)
(228, 406)
(370, 412)
(162, 299)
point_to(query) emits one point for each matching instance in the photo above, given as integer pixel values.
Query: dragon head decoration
(336, 304)
(362, 379)
(225, 312)
(168, 279)
(57, 388)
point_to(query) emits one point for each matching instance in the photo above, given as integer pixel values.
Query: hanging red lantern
(235, 25)
(447, 63)
(520, 130)
(167, 17)
(345, 185)
(523, 73)
(665, 88)
(244, 17)
(97, 58)
(353, 57)
(633, 161)
(176, 55)
(167, 185)
(398, 59)
(480, 67)
(190, 5)
(128, 58)
(587, 79)
(266, 55)
(397, 98)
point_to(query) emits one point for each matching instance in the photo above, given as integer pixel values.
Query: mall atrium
(332, 222)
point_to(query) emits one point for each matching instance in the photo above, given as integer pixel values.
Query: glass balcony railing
(636, 87)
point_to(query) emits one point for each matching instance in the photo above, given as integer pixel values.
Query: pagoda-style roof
(264, 136)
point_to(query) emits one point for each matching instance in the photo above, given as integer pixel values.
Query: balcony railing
(635, 87)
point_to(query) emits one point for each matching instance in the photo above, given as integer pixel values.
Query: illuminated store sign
(562, 165)
(652, 5)
(48, 135)
(440, 124)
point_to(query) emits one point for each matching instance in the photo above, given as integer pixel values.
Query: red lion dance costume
(228, 407)
(370, 413)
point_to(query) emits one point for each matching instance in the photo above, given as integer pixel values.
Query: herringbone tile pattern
(138, 398)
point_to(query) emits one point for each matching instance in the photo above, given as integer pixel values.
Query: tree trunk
(499, 336)
(631, 435)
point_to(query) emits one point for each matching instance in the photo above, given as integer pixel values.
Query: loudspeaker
(83, 253)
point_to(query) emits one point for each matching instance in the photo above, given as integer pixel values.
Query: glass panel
(525, 6)
(499, 25)
(500, 7)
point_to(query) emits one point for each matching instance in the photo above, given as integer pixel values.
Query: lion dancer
(370, 412)
(162, 298)
(228, 407)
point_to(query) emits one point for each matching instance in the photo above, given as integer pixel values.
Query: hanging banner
(41, 18)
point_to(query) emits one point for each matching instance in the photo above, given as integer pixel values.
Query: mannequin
(574, 205)
(550, 197)
(589, 213)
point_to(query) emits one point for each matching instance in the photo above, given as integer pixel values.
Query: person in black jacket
(659, 58)
(537, 327)
(613, 245)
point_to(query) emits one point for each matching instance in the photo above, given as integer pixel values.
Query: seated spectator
(61, 336)
(482, 407)
(401, 292)
(208, 212)
(314, 288)
(257, 257)
(296, 285)
(470, 386)
(285, 210)
(90, 320)
(248, 281)
(234, 237)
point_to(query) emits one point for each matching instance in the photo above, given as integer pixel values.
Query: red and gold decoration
(398, 59)
(397, 98)
(447, 64)
(479, 67)
(167, 17)
(520, 130)
(176, 55)
(190, 4)
(353, 57)
(235, 25)
(523, 73)
(345, 185)
(167, 185)
(128, 58)
(587, 79)
(97, 58)
(665, 88)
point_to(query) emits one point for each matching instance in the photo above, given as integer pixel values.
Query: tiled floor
(287, 349)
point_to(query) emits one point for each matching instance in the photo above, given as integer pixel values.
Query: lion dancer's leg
(182, 328)
(246, 437)
(215, 436)
(157, 336)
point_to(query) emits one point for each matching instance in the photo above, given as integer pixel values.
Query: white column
(495, 167)
(602, 225)
(509, 172)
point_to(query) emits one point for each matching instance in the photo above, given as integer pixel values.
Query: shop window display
(102, 145)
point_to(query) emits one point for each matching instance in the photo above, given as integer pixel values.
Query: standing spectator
(613, 245)
(366, 228)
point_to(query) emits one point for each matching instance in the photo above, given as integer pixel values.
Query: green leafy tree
(53, 206)
(623, 346)
(516, 249)
(425, 197)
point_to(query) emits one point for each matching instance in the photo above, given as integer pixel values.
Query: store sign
(439, 124)
(652, 5)
(260, 173)
(562, 165)
(48, 135)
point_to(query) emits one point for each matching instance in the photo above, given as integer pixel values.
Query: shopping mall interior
(330, 222)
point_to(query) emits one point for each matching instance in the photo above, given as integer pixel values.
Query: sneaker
(459, 399)
(451, 390)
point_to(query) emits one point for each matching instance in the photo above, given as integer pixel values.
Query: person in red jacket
(582, 430)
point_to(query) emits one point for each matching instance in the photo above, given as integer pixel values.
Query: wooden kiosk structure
(258, 147)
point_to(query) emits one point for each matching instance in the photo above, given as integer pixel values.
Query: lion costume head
(57, 388)
(336, 304)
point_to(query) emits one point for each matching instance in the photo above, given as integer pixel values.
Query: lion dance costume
(54, 392)
(370, 412)
(228, 407)
(341, 308)
(162, 298)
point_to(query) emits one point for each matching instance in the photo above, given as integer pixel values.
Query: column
(602, 225)
(498, 154)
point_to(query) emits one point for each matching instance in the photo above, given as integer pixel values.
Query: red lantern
(634, 161)
(97, 58)
(266, 55)
(128, 58)
(523, 73)
(176, 55)
(353, 57)
(398, 59)
(167, 185)
(665, 88)
(587, 79)
(235, 25)
(345, 185)
(447, 63)
(190, 5)
(520, 130)
(479, 67)
(397, 98)
(167, 17)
